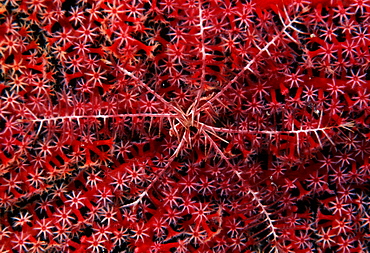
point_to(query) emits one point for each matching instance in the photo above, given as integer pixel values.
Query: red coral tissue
(184, 126)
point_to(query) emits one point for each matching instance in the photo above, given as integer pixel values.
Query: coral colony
(184, 126)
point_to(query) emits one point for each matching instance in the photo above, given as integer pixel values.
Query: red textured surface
(184, 126)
